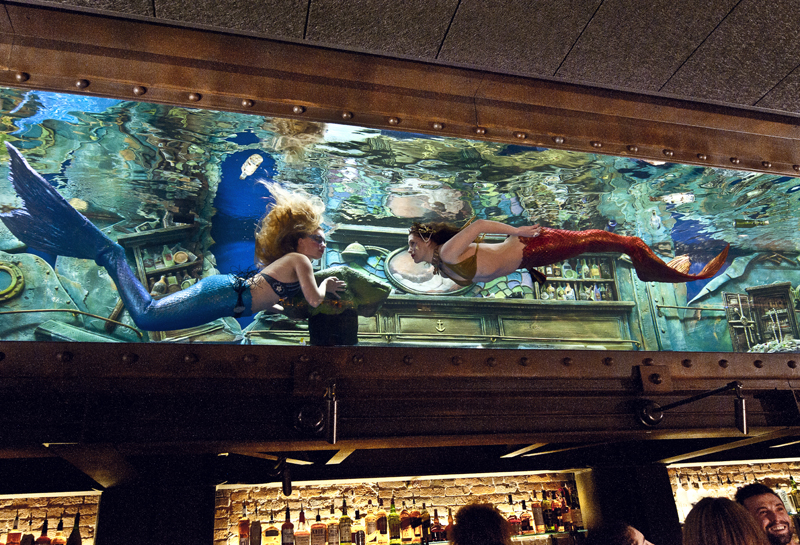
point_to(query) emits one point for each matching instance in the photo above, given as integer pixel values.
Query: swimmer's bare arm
(315, 294)
(452, 250)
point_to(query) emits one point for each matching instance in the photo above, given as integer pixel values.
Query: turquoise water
(135, 163)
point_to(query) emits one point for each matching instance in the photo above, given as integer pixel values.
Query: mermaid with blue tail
(288, 239)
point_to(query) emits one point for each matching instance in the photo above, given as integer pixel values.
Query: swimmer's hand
(333, 286)
(529, 231)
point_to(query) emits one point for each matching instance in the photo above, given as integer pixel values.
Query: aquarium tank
(183, 191)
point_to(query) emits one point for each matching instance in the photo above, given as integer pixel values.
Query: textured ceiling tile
(529, 38)
(785, 96)
(752, 50)
(639, 45)
(414, 28)
(273, 18)
(133, 7)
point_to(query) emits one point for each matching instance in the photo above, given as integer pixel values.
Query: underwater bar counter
(148, 421)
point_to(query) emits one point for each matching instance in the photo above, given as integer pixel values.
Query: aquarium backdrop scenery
(182, 191)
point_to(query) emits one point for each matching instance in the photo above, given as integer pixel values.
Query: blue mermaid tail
(47, 222)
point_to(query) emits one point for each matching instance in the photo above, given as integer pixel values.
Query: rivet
(480, 130)
(22, 76)
(633, 149)
(358, 358)
(347, 115)
(82, 84)
(735, 160)
(668, 152)
(129, 358)
(724, 364)
(190, 358)
(766, 164)
(491, 362)
(247, 103)
(647, 361)
(195, 97)
(558, 140)
(759, 364)
(566, 362)
(523, 361)
(655, 378)
(408, 360)
(299, 110)
(437, 126)
(64, 357)
(250, 359)
(394, 121)
(702, 156)
(457, 360)
(304, 359)
(686, 363)
(139, 90)
(521, 135)
(608, 361)
(796, 167)
(791, 363)
(596, 144)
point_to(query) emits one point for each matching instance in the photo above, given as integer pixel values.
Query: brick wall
(35, 508)
(713, 480)
(436, 493)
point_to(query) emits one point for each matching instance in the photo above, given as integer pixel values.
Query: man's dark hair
(616, 532)
(754, 489)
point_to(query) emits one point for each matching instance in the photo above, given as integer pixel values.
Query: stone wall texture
(33, 510)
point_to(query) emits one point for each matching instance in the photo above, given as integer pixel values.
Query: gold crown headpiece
(424, 230)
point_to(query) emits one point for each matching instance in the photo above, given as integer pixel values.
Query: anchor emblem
(440, 326)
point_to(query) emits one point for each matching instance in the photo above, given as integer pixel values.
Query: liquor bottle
(425, 517)
(244, 527)
(548, 271)
(302, 533)
(319, 531)
(406, 531)
(416, 522)
(272, 535)
(29, 538)
(75, 534)
(586, 273)
(536, 513)
(595, 270)
(449, 530)
(437, 530)
(255, 529)
(43, 539)
(525, 521)
(371, 525)
(575, 511)
(345, 523)
(166, 255)
(358, 530)
(555, 505)
(566, 512)
(333, 528)
(393, 520)
(60, 538)
(287, 529)
(547, 513)
(513, 519)
(557, 270)
(605, 270)
(747, 224)
(382, 523)
(15, 534)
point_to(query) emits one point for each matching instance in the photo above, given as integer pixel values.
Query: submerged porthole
(11, 281)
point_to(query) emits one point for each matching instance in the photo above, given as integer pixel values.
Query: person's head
(423, 238)
(480, 524)
(720, 521)
(616, 533)
(292, 225)
(768, 510)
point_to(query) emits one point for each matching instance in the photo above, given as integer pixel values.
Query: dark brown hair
(437, 231)
(720, 521)
(481, 524)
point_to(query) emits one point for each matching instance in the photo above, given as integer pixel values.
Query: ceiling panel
(639, 45)
(784, 96)
(413, 29)
(133, 7)
(516, 37)
(278, 18)
(751, 51)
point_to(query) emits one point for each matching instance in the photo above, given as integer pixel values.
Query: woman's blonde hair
(720, 521)
(294, 214)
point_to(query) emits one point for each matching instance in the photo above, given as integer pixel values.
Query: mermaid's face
(419, 250)
(312, 245)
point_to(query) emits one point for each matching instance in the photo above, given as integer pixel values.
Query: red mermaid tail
(556, 245)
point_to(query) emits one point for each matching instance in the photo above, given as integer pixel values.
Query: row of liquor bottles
(15, 535)
(555, 512)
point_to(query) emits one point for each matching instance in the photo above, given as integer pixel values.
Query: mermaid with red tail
(456, 254)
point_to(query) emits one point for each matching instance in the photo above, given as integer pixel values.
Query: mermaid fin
(47, 222)
(653, 269)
